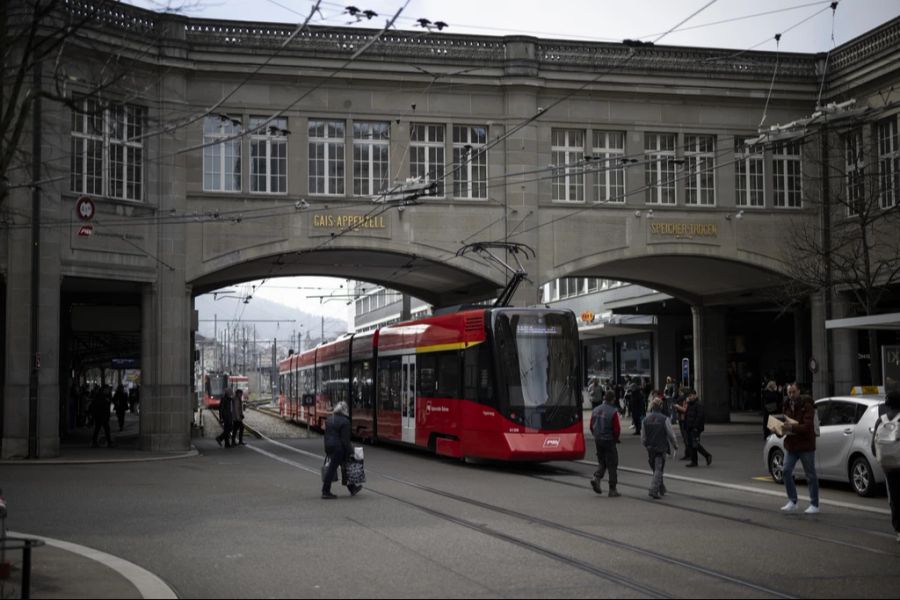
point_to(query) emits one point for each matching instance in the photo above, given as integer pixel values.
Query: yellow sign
(587, 316)
(350, 222)
(685, 230)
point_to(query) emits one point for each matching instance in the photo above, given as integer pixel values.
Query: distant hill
(262, 310)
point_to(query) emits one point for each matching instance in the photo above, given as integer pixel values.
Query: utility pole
(34, 355)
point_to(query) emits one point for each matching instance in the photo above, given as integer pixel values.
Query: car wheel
(776, 465)
(861, 477)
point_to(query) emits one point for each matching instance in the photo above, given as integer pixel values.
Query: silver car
(844, 446)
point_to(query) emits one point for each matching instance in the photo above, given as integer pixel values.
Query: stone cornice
(489, 51)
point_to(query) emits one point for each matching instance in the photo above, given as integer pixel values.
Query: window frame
(608, 151)
(371, 138)
(273, 137)
(430, 165)
(700, 162)
(660, 176)
(474, 170)
(787, 176)
(330, 181)
(107, 148)
(567, 157)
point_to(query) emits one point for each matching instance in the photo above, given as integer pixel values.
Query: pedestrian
(680, 411)
(889, 412)
(658, 438)
(595, 392)
(637, 407)
(694, 424)
(120, 401)
(337, 448)
(100, 413)
(226, 417)
(771, 402)
(237, 417)
(606, 429)
(669, 397)
(800, 444)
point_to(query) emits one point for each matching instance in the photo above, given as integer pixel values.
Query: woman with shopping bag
(337, 449)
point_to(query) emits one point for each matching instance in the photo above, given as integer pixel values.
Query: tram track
(740, 520)
(616, 578)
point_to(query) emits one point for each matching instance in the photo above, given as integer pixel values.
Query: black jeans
(892, 479)
(694, 446)
(607, 459)
(237, 432)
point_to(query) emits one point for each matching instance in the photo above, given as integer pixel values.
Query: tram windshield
(537, 367)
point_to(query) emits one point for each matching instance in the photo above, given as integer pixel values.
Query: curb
(92, 461)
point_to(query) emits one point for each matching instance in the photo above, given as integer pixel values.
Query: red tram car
(496, 383)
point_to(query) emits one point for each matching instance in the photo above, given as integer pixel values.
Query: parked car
(844, 446)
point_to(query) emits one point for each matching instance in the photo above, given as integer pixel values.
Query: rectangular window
(888, 163)
(700, 162)
(855, 172)
(788, 181)
(609, 168)
(107, 149)
(749, 164)
(371, 146)
(426, 154)
(469, 162)
(268, 155)
(567, 160)
(221, 154)
(659, 169)
(326, 158)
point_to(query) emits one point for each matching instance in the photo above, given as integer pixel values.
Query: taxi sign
(865, 390)
(587, 316)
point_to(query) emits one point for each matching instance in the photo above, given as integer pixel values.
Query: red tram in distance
(495, 383)
(215, 383)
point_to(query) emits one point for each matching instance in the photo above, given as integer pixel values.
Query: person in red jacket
(606, 429)
(800, 444)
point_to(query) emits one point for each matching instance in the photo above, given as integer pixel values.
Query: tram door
(408, 398)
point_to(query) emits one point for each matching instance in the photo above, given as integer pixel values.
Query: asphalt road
(248, 522)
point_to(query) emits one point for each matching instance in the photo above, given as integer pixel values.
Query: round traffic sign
(85, 208)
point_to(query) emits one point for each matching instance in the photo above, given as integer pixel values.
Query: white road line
(747, 488)
(147, 584)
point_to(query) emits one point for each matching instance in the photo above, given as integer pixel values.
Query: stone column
(710, 362)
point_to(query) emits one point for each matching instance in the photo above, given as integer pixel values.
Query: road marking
(747, 488)
(148, 585)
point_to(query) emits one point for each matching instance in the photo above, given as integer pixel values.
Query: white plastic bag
(358, 453)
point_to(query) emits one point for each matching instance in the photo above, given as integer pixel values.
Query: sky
(805, 26)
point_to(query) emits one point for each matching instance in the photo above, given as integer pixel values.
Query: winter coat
(802, 437)
(337, 435)
(695, 417)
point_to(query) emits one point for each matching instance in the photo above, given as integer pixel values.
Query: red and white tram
(496, 383)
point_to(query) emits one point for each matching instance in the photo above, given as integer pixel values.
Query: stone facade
(179, 238)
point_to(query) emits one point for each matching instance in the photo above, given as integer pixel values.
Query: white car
(844, 446)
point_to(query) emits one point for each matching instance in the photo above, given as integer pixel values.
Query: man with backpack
(886, 447)
(606, 429)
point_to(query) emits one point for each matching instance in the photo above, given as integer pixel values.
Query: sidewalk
(61, 569)
(75, 447)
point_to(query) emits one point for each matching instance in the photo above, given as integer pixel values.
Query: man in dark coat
(694, 423)
(226, 416)
(100, 413)
(337, 448)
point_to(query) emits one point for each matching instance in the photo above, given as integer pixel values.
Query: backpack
(887, 443)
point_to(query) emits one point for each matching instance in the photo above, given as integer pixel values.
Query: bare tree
(854, 247)
(37, 38)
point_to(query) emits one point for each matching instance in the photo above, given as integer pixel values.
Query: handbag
(325, 466)
(355, 471)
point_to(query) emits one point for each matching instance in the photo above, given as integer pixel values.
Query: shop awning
(889, 321)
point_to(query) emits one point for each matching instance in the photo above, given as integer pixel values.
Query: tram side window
(396, 384)
(384, 384)
(427, 376)
(479, 382)
(447, 375)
